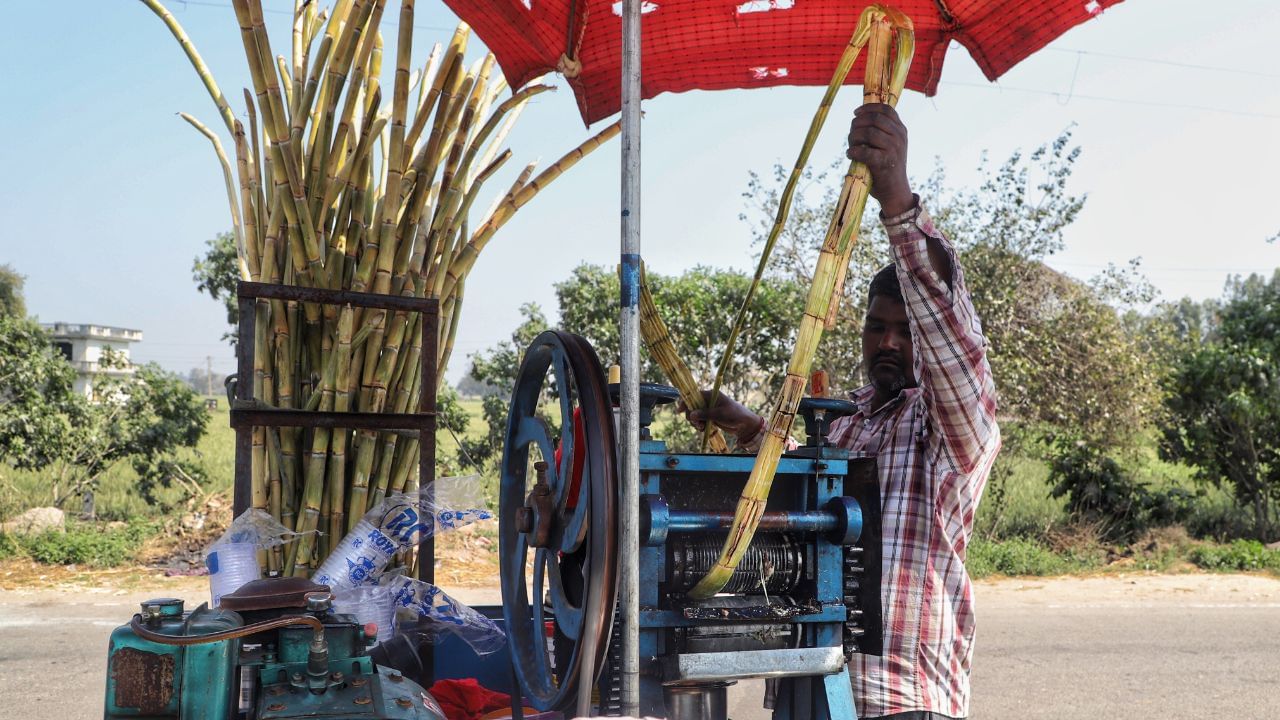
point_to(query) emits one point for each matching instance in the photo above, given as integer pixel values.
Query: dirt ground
(1176, 647)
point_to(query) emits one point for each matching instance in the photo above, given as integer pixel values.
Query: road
(1175, 647)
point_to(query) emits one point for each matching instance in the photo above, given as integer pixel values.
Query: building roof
(65, 330)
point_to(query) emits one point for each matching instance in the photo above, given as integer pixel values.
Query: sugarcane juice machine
(275, 649)
(272, 650)
(805, 596)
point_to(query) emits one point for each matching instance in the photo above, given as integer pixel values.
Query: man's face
(886, 347)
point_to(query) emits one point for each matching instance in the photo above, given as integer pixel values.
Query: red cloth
(467, 699)
(722, 44)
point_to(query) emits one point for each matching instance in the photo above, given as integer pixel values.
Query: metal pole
(629, 540)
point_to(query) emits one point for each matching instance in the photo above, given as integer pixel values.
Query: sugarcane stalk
(193, 55)
(313, 490)
(876, 29)
(468, 253)
(228, 178)
(861, 35)
(316, 206)
(658, 339)
(338, 450)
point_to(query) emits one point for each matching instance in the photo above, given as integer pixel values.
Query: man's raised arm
(947, 337)
(950, 350)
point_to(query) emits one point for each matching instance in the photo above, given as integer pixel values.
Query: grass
(1019, 530)
(82, 544)
(1238, 556)
(116, 498)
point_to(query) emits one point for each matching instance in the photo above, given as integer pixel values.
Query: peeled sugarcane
(658, 339)
(887, 65)
(338, 191)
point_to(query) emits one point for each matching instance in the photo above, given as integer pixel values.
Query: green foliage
(698, 307)
(216, 273)
(81, 544)
(1097, 488)
(159, 415)
(1238, 556)
(498, 367)
(143, 418)
(1060, 351)
(1224, 401)
(40, 414)
(1021, 556)
(12, 302)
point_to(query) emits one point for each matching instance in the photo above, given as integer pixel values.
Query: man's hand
(728, 415)
(878, 139)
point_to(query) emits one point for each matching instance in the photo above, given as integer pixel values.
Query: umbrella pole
(629, 537)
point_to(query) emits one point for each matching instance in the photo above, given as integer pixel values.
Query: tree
(40, 414)
(1060, 350)
(216, 273)
(1224, 400)
(698, 307)
(12, 302)
(143, 418)
(498, 367)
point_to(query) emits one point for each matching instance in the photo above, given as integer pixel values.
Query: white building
(85, 345)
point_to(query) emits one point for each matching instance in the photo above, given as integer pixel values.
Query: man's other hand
(878, 139)
(728, 415)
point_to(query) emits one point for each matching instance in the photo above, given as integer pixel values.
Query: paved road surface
(1181, 647)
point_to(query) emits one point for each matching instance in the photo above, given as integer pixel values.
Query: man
(928, 414)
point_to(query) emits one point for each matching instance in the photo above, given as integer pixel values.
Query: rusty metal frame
(247, 413)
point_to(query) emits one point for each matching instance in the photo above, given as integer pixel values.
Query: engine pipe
(842, 518)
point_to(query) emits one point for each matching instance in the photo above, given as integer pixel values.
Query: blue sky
(108, 196)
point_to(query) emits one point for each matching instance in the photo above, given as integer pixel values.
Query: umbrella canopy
(722, 44)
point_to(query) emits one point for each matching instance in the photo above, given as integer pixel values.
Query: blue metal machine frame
(810, 486)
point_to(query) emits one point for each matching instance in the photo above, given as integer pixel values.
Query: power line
(1118, 101)
(1169, 63)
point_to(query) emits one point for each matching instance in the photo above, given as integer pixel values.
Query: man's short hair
(885, 283)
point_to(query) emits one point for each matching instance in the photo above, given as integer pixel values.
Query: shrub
(1239, 555)
(81, 544)
(1019, 556)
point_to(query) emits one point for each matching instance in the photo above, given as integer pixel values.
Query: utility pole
(208, 376)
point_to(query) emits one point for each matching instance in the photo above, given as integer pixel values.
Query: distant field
(117, 498)
(1017, 503)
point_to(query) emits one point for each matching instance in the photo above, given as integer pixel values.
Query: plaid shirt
(934, 445)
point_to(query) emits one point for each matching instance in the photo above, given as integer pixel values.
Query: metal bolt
(336, 677)
(397, 677)
(363, 700)
(524, 520)
(297, 677)
(275, 708)
(672, 461)
(275, 690)
(404, 702)
(358, 682)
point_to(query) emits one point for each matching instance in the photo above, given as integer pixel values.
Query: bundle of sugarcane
(313, 204)
(658, 339)
(886, 72)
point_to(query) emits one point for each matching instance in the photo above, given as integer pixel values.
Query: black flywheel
(566, 518)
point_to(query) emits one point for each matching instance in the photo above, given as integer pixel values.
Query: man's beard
(887, 379)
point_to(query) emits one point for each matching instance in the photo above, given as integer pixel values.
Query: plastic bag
(255, 526)
(398, 523)
(232, 560)
(435, 612)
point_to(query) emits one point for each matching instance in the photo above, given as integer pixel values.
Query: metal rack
(247, 413)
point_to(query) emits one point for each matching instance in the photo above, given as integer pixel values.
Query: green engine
(273, 650)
